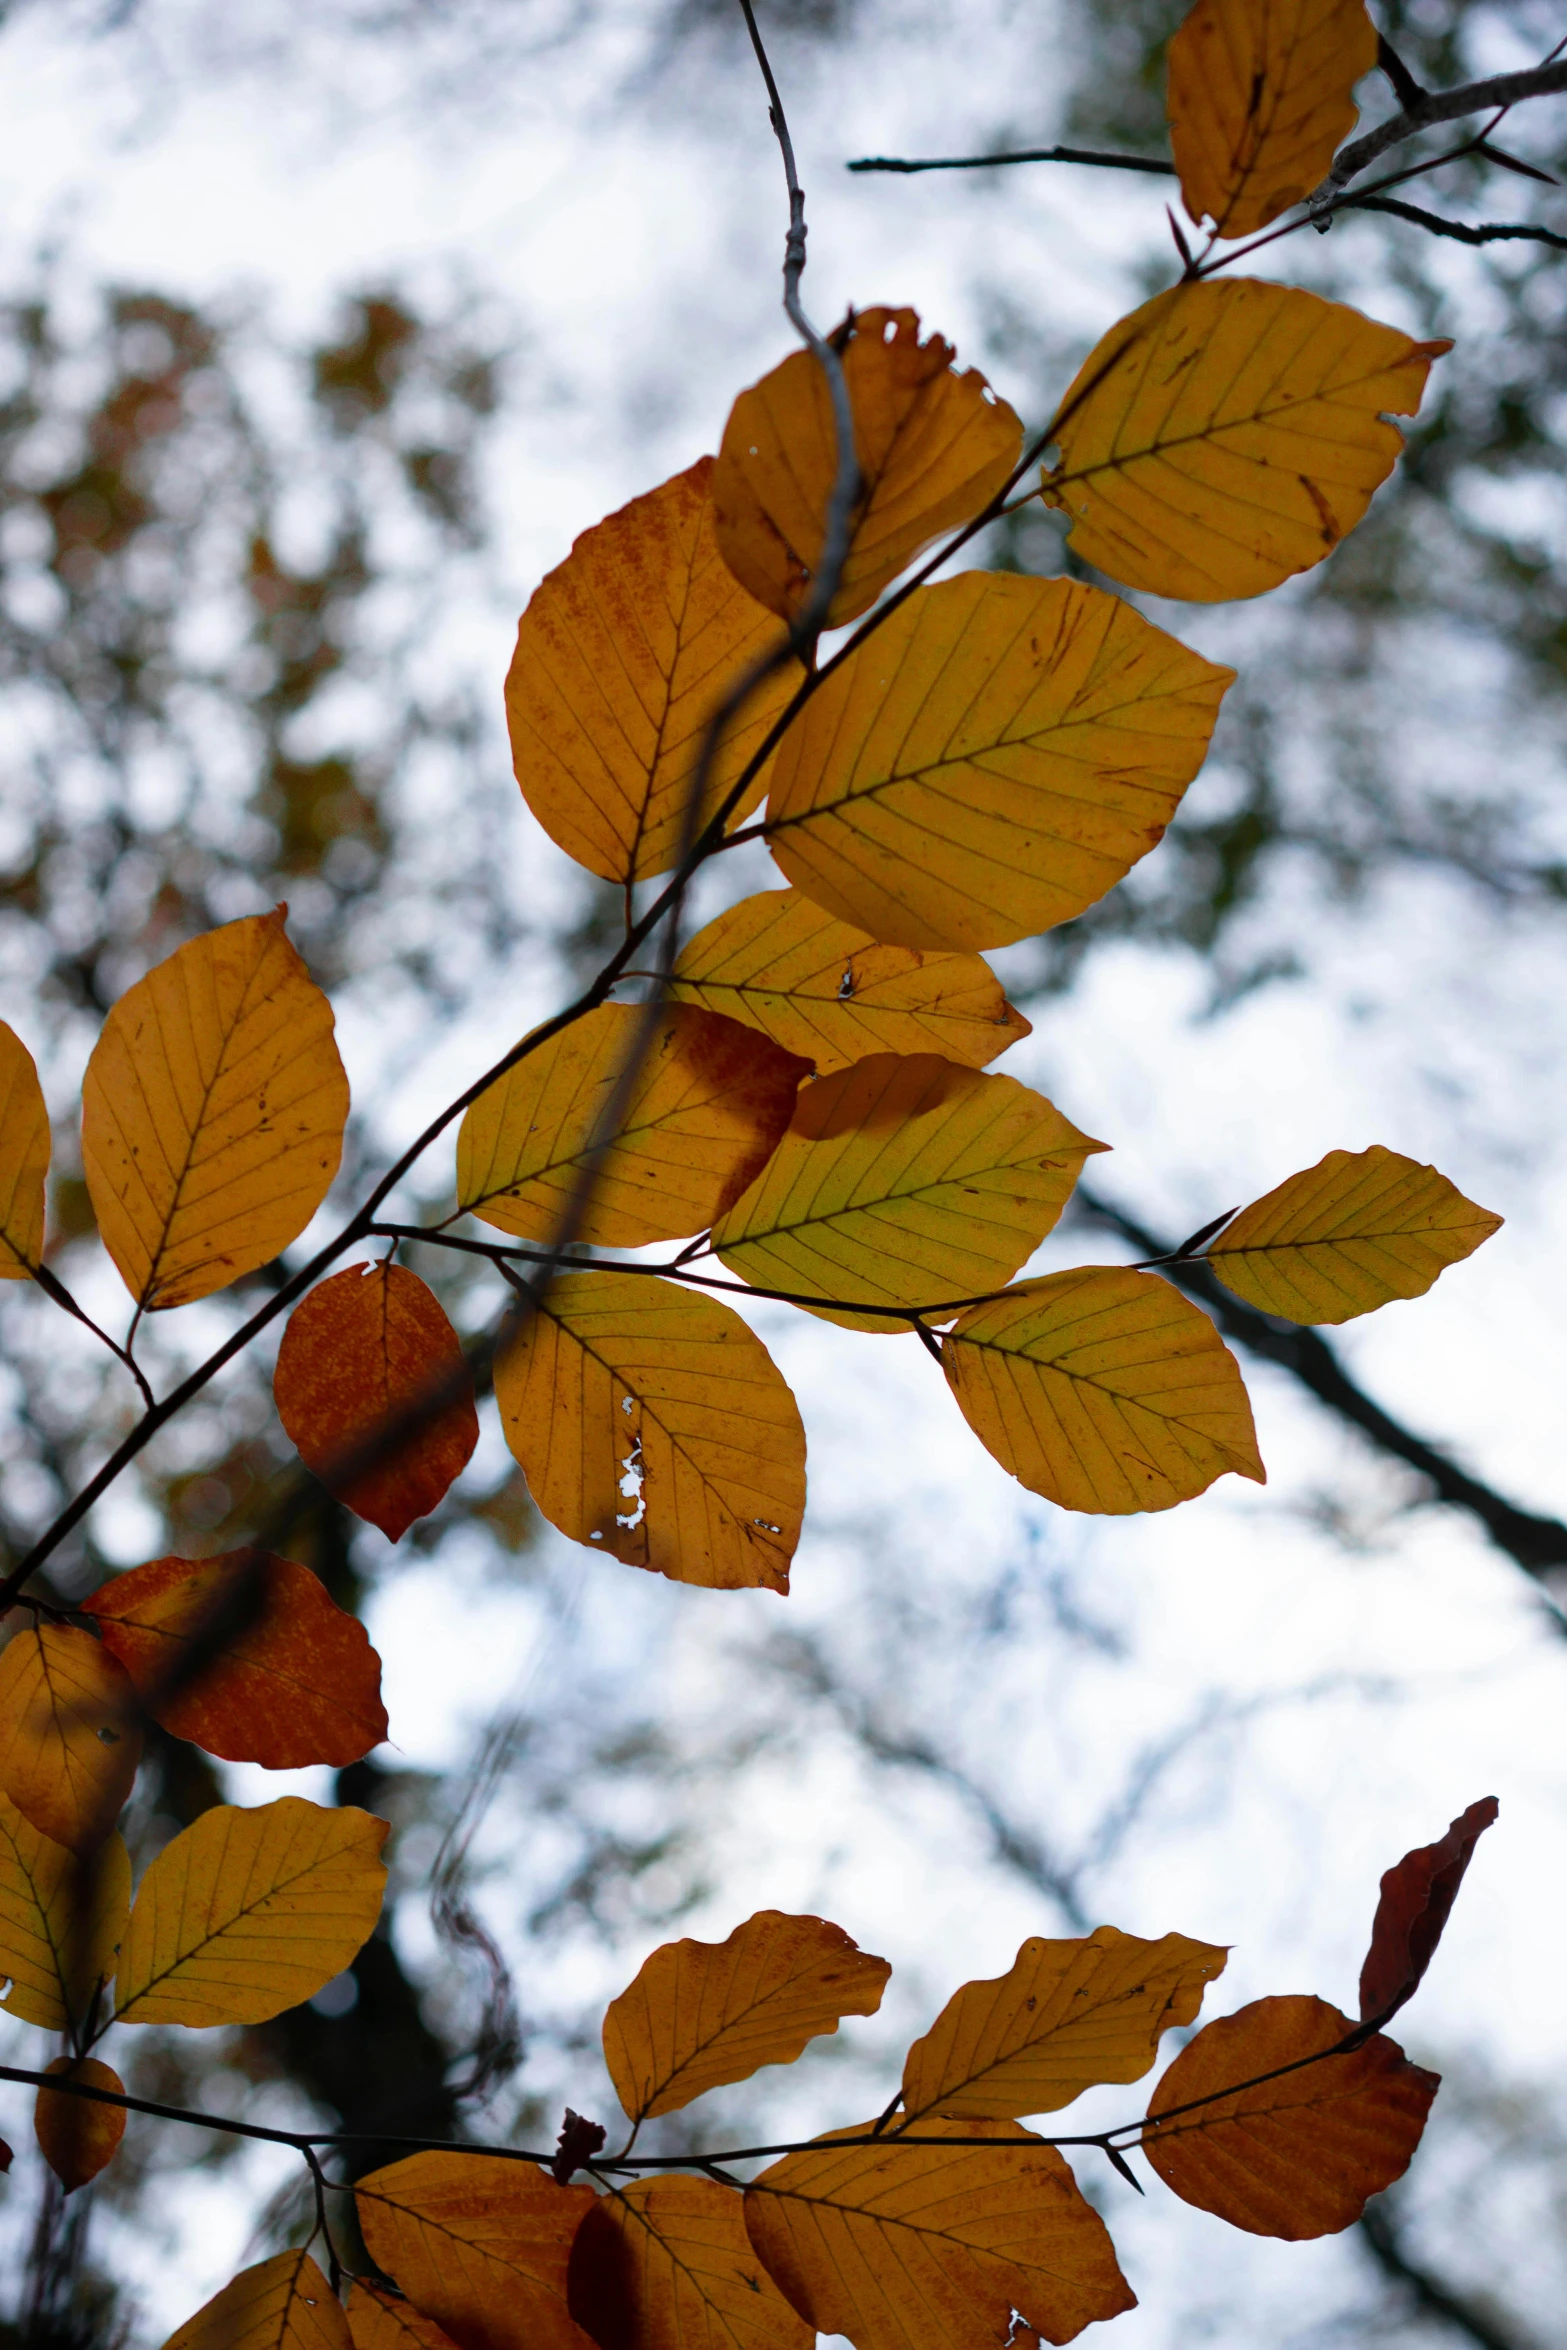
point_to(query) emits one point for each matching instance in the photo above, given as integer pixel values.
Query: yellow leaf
(827, 991)
(651, 1424)
(1259, 102)
(1353, 1232)
(378, 2320)
(666, 2264)
(77, 2136)
(479, 2244)
(904, 1180)
(1104, 1390)
(1228, 434)
(70, 1733)
(248, 1912)
(622, 655)
(933, 446)
(710, 1101)
(284, 2303)
(997, 756)
(212, 1113)
(700, 2014)
(1065, 2016)
(62, 1919)
(935, 2247)
(24, 1159)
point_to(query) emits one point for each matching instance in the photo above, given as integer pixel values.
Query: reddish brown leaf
(667, 2264)
(300, 1683)
(77, 2135)
(378, 2320)
(1417, 1898)
(365, 1347)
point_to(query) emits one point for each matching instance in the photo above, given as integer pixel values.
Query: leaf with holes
(62, 1920)
(24, 1159)
(666, 2264)
(70, 1733)
(1260, 98)
(77, 2136)
(479, 2244)
(284, 2303)
(1416, 1901)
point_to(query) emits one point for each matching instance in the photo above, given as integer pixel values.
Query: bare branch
(1498, 90)
(1100, 158)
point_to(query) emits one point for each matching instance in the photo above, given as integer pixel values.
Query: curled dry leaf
(904, 1180)
(24, 1159)
(62, 1920)
(653, 1425)
(70, 1733)
(1064, 2017)
(1104, 1390)
(212, 1113)
(288, 1677)
(995, 758)
(622, 656)
(1350, 1234)
(248, 1912)
(1417, 1899)
(700, 2014)
(479, 2244)
(1228, 434)
(934, 446)
(78, 2135)
(666, 2264)
(284, 2303)
(1260, 98)
(366, 1349)
(1299, 2155)
(709, 1102)
(829, 992)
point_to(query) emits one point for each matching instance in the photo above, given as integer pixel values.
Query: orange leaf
(284, 2303)
(77, 2135)
(363, 1348)
(933, 446)
(479, 2244)
(24, 1159)
(1259, 100)
(1297, 2156)
(70, 1734)
(1417, 1900)
(378, 2320)
(666, 2264)
(299, 1683)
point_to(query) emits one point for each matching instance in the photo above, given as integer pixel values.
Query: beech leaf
(1259, 101)
(284, 2303)
(378, 2320)
(24, 1159)
(479, 2244)
(62, 1920)
(76, 2135)
(70, 1733)
(1417, 1898)
(666, 2264)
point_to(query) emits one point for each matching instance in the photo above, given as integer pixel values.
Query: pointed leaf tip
(1417, 1899)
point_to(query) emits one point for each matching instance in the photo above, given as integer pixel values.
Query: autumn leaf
(248, 1912)
(1064, 2017)
(904, 1180)
(1102, 1389)
(76, 2135)
(295, 1682)
(212, 1113)
(284, 2303)
(1229, 434)
(62, 1920)
(666, 2264)
(24, 1159)
(933, 447)
(1297, 2156)
(378, 2320)
(70, 1733)
(709, 1102)
(1353, 1232)
(1417, 1898)
(653, 1425)
(700, 2014)
(995, 758)
(622, 656)
(479, 2244)
(829, 992)
(935, 2247)
(364, 1347)
(1259, 101)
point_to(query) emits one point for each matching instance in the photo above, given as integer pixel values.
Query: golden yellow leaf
(70, 1733)
(1104, 1390)
(248, 1912)
(653, 1425)
(710, 1101)
(284, 2303)
(1228, 434)
(77, 2136)
(997, 756)
(904, 1180)
(827, 991)
(622, 655)
(935, 2247)
(378, 2320)
(62, 1919)
(666, 2264)
(24, 1159)
(1065, 2016)
(700, 2014)
(212, 1113)
(479, 2244)
(1351, 1233)
(933, 446)
(1259, 100)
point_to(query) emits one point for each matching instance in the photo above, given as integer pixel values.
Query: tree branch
(1499, 90)
(1489, 233)
(1096, 156)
